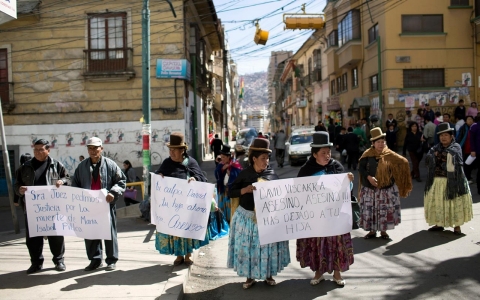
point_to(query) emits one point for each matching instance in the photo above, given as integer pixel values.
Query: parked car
(297, 148)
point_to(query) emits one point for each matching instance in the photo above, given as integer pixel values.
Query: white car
(298, 145)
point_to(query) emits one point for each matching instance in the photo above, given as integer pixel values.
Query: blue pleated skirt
(174, 245)
(217, 226)
(245, 254)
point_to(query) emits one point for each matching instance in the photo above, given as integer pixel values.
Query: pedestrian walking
(413, 143)
(351, 143)
(320, 127)
(472, 110)
(460, 111)
(428, 112)
(382, 183)
(419, 118)
(130, 194)
(96, 173)
(391, 121)
(39, 171)
(245, 255)
(179, 165)
(216, 147)
(340, 144)
(279, 144)
(331, 253)
(359, 131)
(463, 139)
(448, 201)
(391, 138)
(226, 172)
(429, 131)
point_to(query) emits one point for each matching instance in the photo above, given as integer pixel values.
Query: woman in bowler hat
(226, 172)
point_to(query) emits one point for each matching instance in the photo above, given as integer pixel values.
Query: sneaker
(111, 267)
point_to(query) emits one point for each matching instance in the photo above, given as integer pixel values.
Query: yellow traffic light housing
(303, 21)
(261, 36)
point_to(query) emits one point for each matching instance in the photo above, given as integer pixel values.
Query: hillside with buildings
(255, 91)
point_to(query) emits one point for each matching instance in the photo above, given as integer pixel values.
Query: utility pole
(380, 96)
(146, 97)
(225, 94)
(8, 173)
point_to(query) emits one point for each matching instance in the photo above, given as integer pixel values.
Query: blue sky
(238, 18)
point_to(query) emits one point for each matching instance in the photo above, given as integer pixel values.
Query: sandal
(270, 282)
(317, 281)
(370, 235)
(339, 282)
(178, 262)
(188, 262)
(385, 236)
(248, 285)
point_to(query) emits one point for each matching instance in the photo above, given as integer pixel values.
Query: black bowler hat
(321, 139)
(226, 150)
(177, 140)
(444, 127)
(259, 144)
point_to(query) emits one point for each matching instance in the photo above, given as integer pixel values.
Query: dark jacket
(25, 175)
(391, 139)
(412, 142)
(393, 122)
(351, 142)
(246, 178)
(216, 146)
(460, 112)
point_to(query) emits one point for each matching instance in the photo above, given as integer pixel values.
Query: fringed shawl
(390, 164)
(457, 184)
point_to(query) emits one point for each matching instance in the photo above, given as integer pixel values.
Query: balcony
(108, 65)
(6, 94)
(302, 103)
(349, 54)
(332, 62)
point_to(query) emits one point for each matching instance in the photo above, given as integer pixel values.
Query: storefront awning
(360, 102)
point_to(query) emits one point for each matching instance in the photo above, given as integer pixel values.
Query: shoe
(94, 264)
(188, 263)
(436, 228)
(111, 267)
(34, 269)
(60, 267)
(339, 282)
(370, 235)
(385, 236)
(317, 281)
(457, 232)
(270, 282)
(178, 262)
(248, 285)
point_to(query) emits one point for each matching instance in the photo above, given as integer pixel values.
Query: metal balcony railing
(108, 61)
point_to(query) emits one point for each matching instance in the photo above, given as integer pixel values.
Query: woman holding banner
(332, 253)
(383, 180)
(245, 255)
(179, 165)
(226, 173)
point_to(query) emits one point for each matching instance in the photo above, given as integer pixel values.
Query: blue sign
(173, 68)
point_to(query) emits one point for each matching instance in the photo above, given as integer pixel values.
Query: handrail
(140, 183)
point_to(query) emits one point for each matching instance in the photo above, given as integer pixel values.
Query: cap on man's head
(94, 141)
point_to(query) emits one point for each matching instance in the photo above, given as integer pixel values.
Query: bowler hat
(226, 150)
(177, 140)
(444, 127)
(376, 134)
(321, 139)
(259, 144)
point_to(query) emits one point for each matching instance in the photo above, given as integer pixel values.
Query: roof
(360, 102)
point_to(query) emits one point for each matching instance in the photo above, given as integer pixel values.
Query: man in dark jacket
(320, 127)
(351, 143)
(339, 143)
(41, 170)
(216, 147)
(460, 111)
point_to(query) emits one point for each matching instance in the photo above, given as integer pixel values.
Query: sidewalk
(142, 273)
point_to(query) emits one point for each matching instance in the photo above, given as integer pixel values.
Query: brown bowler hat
(376, 134)
(259, 144)
(177, 140)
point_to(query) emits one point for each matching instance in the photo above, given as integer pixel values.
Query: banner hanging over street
(67, 211)
(316, 206)
(180, 208)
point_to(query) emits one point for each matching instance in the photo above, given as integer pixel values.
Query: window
(107, 39)
(310, 66)
(4, 84)
(332, 87)
(354, 77)
(373, 33)
(459, 3)
(344, 82)
(420, 78)
(317, 59)
(349, 27)
(422, 23)
(332, 39)
(374, 83)
(339, 84)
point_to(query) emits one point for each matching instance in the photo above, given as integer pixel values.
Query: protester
(448, 201)
(41, 170)
(131, 177)
(413, 143)
(332, 253)
(217, 224)
(216, 146)
(463, 139)
(460, 111)
(98, 173)
(472, 110)
(245, 255)
(279, 144)
(351, 143)
(391, 138)
(446, 118)
(179, 165)
(382, 183)
(226, 172)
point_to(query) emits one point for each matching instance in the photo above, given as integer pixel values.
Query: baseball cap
(94, 141)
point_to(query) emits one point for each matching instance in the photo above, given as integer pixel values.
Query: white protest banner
(67, 211)
(316, 206)
(180, 208)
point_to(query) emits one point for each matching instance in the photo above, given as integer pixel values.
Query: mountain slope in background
(256, 90)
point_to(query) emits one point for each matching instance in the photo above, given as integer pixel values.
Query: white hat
(94, 141)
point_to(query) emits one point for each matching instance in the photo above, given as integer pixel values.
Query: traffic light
(303, 21)
(261, 36)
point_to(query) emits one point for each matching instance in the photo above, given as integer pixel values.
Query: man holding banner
(96, 173)
(41, 170)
